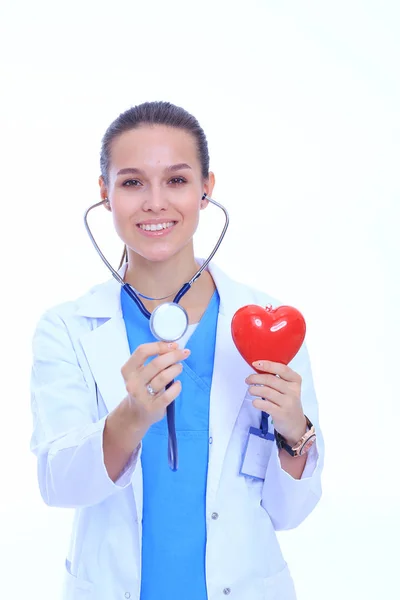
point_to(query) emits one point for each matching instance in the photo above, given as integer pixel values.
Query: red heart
(274, 334)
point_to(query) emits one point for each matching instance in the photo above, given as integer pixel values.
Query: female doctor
(100, 393)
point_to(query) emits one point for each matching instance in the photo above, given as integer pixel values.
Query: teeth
(157, 227)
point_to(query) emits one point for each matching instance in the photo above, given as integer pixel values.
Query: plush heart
(274, 334)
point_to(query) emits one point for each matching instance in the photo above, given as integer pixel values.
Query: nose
(155, 200)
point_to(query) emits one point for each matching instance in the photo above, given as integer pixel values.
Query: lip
(158, 233)
(155, 221)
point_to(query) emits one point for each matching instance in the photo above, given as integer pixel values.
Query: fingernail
(258, 363)
(172, 345)
(186, 352)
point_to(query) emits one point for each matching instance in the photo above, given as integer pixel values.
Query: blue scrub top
(174, 503)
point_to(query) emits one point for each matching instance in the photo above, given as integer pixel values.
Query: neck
(160, 279)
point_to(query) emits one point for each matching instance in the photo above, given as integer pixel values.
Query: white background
(300, 101)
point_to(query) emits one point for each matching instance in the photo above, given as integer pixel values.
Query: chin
(161, 251)
(160, 254)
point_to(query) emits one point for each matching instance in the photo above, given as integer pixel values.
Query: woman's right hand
(148, 409)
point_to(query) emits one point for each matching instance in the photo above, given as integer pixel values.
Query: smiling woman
(102, 387)
(162, 189)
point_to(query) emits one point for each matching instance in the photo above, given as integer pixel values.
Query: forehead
(154, 145)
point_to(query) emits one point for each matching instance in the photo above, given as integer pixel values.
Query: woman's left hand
(280, 397)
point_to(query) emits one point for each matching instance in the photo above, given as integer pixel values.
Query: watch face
(307, 445)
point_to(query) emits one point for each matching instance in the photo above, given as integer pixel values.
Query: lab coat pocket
(74, 588)
(279, 586)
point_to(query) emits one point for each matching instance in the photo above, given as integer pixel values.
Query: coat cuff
(287, 500)
(125, 477)
(72, 472)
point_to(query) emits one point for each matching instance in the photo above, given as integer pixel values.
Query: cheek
(192, 212)
(192, 222)
(122, 209)
(121, 220)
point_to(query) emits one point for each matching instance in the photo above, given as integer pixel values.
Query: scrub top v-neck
(174, 503)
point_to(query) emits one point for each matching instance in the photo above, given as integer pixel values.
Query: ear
(103, 194)
(209, 184)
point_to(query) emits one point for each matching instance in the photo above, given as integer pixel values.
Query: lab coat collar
(104, 302)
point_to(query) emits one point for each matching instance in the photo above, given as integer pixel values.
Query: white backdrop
(300, 101)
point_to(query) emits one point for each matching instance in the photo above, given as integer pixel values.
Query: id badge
(257, 453)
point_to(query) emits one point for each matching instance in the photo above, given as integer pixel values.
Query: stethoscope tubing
(135, 296)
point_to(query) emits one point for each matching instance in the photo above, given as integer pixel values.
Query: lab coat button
(227, 591)
(210, 440)
(215, 516)
(127, 595)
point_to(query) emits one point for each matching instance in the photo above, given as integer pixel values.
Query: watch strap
(296, 450)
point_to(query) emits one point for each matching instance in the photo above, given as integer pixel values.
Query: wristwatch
(303, 445)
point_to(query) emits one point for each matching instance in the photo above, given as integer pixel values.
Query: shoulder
(72, 307)
(237, 293)
(73, 315)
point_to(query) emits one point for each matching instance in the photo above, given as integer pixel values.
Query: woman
(99, 398)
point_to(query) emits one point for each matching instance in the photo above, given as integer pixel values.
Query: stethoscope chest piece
(169, 322)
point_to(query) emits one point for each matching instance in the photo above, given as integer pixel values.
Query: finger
(267, 406)
(280, 369)
(169, 395)
(271, 381)
(267, 393)
(162, 362)
(165, 377)
(137, 380)
(145, 351)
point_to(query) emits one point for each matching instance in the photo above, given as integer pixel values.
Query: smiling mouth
(157, 226)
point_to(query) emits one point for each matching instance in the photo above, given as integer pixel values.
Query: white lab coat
(79, 349)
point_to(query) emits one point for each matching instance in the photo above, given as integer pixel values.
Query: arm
(293, 499)
(68, 436)
(121, 438)
(292, 486)
(82, 459)
(294, 466)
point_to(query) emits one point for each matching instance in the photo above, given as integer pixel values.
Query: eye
(178, 180)
(131, 183)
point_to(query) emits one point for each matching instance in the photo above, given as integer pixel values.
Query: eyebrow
(170, 169)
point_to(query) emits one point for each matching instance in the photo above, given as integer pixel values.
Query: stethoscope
(168, 321)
